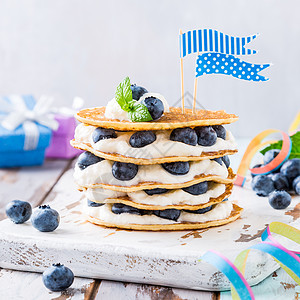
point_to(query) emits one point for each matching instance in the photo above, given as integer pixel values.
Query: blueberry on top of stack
(148, 166)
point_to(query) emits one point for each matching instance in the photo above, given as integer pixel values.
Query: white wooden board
(162, 258)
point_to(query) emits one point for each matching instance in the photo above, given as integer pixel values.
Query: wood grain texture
(31, 184)
(27, 285)
(111, 290)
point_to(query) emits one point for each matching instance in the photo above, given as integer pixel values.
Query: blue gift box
(12, 153)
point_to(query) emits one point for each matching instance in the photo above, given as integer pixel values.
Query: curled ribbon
(17, 113)
(288, 260)
(254, 146)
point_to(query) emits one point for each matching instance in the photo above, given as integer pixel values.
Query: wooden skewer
(195, 90)
(181, 71)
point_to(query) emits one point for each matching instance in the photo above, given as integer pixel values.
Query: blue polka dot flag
(219, 53)
(219, 63)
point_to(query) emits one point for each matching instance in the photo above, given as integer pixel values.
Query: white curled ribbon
(77, 104)
(17, 113)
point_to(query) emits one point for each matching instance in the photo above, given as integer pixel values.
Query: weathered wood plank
(27, 285)
(111, 290)
(31, 184)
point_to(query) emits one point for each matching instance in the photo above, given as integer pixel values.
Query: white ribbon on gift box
(18, 113)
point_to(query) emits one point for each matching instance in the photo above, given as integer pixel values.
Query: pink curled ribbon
(289, 260)
(255, 145)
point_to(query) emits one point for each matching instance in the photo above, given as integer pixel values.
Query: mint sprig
(295, 152)
(137, 112)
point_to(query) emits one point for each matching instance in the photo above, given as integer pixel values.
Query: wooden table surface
(37, 185)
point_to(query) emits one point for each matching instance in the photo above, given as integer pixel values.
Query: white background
(69, 47)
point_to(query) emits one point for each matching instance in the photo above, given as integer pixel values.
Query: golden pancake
(170, 120)
(235, 214)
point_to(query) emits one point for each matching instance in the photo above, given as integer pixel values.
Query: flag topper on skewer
(217, 54)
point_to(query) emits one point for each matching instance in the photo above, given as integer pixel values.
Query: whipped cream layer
(161, 147)
(101, 172)
(219, 212)
(172, 197)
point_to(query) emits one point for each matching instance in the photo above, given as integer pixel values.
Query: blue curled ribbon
(17, 113)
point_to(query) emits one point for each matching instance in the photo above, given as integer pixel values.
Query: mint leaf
(139, 113)
(295, 152)
(123, 95)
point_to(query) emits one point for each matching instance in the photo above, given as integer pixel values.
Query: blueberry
(197, 189)
(184, 135)
(142, 138)
(270, 155)
(280, 181)
(137, 91)
(120, 208)
(291, 168)
(156, 191)
(295, 181)
(103, 134)
(177, 167)
(200, 211)
(18, 211)
(94, 204)
(45, 219)
(86, 159)
(155, 107)
(218, 160)
(256, 166)
(124, 171)
(220, 131)
(58, 278)
(280, 199)
(226, 161)
(170, 214)
(262, 185)
(297, 188)
(206, 135)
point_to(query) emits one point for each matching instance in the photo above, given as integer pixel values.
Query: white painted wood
(165, 258)
(17, 285)
(278, 286)
(111, 290)
(30, 184)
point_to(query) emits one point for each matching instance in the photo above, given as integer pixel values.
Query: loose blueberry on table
(142, 138)
(177, 168)
(220, 131)
(18, 211)
(137, 91)
(154, 106)
(270, 155)
(280, 199)
(291, 169)
(58, 278)
(206, 135)
(296, 185)
(184, 135)
(102, 134)
(124, 171)
(197, 189)
(45, 219)
(280, 181)
(262, 185)
(86, 159)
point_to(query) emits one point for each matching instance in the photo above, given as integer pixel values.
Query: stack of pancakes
(154, 197)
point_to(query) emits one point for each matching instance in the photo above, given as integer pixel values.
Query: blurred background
(68, 48)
